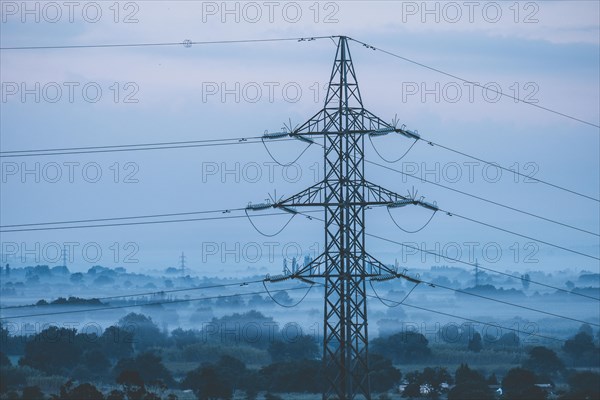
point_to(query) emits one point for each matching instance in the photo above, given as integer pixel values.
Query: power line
(268, 214)
(484, 199)
(161, 292)
(185, 43)
(130, 145)
(470, 319)
(111, 149)
(478, 84)
(155, 303)
(502, 301)
(508, 303)
(250, 140)
(451, 214)
(255, 293)
(481, 267)
(510, 170)
(26, 229)
(121, 218)
(476, 265)
(139, 223)
(189, 43)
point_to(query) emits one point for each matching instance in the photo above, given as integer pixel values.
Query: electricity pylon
(345, 194)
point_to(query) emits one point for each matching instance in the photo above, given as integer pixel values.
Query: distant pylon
(64, 255)
(182, 264)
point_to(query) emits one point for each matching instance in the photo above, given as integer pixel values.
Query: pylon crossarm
(313, 194)
(385, 272)
(310, 270)
(323, 123)
(381, 195)
(418, 202)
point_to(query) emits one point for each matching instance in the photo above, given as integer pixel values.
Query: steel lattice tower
(344, 193)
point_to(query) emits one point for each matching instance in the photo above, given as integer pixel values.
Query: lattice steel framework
(345, 266)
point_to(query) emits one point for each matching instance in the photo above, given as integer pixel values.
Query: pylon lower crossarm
(384, 269)
(377, 194)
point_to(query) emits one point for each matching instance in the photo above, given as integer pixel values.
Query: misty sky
(544, 52)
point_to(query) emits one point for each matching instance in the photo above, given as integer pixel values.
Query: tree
(221, 379)
(294, 376)
(184, 338)
(116, 395)
(95, 360)
(84, 391)
(12, 378)
(586, 328)
(252, 328)
(303, 347)
(133, 384)
(4, 360)
(470, 385)
(584, 385)
(207, 384)
(117, 342)
(582, 349)
(542, 360)
(282, 298)
(145, 332)
(33, 393)
(231, 370)
(475, 343)
(431, 378)
(402, 347)
(519, 383)
(507, 341)
(383, 375)
(103, 280)
(570, 285)
(76, 278)
(52, 350)
(148, 365)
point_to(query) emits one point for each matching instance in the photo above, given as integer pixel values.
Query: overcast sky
(544, 52)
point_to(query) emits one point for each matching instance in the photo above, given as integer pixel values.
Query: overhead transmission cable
(31, 227)
(521, 278)
(154, 303)
(499, 92)
(185, 43)
(95, 309)
(483, 199)
(154, 293)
